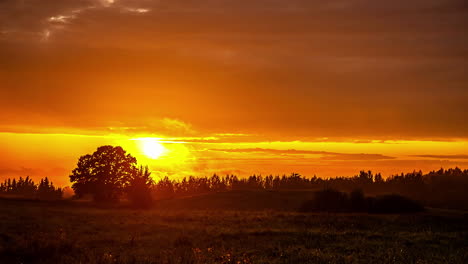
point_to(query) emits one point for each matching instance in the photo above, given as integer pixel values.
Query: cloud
(356, 156)
(138, 10)
(50, 17)
(325, 155)
(177, 125)
(107, 3)
(459, 156)
(277, 69)
(166, 127)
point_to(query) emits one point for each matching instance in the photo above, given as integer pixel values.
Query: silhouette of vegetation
(26, 188)
(330, 200)
(442, 188)
(394, 203)
(139, 189)
(110, 174)
(105, 174)
(357, 201)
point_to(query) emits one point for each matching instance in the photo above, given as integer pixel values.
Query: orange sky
(315, 87)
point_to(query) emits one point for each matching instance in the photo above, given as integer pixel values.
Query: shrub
(358, 203)
(330, 200)
(394, 203)
(139, 190)
(139, 194)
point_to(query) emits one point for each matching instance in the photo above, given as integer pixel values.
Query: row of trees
(27, 188)
(447, 184)
(110, 174)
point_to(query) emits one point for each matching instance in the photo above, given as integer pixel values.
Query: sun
(153, 149)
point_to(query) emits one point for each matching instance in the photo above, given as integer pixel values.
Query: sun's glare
(153, 149)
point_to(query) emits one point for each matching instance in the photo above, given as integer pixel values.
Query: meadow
(175, 231)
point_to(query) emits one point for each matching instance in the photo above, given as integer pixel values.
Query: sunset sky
(322, 88)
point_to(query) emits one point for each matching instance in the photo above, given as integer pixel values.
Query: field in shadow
(177, 231)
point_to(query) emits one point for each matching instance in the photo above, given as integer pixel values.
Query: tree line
(438, 188)
(110, 174)
(27, 188)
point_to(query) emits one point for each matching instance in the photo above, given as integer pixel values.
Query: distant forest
(445, 188)
(441, 188)
(27, 188)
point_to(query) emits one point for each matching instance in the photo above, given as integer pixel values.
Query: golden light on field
(152, 148)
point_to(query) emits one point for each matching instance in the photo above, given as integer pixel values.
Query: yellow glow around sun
(152, 148)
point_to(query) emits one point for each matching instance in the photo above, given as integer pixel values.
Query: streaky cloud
(459, 156)
(326, 155)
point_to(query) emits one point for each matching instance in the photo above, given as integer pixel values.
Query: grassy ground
(38, 232)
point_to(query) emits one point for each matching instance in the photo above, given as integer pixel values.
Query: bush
(330, 200)
(393, 203)
(358, 203)
(139, 194)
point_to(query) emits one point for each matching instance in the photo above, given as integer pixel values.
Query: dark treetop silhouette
(26, 188)
(109, 173)
(105, 174)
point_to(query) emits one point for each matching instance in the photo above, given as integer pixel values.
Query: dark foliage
(110, 174)
(442, 188)
(393, 203)
(357, 201)
(139, 189)
(105, 174)
(330, 200)
(26, 188)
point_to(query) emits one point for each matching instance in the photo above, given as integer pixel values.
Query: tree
(105, 174)
(47, 191)
(164, 189)
(139, 190)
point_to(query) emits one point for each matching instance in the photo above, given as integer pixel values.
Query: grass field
(67, 232)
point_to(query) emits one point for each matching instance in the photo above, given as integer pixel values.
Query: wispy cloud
(459, 156)
(51, 17)
(325, 155)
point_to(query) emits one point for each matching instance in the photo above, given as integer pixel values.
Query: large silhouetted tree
(105, 174)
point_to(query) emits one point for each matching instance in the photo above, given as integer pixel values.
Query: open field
(41, 232)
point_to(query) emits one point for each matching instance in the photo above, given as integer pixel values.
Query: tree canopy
(105, 174)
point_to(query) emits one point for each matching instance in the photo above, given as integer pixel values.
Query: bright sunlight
(152, 148)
